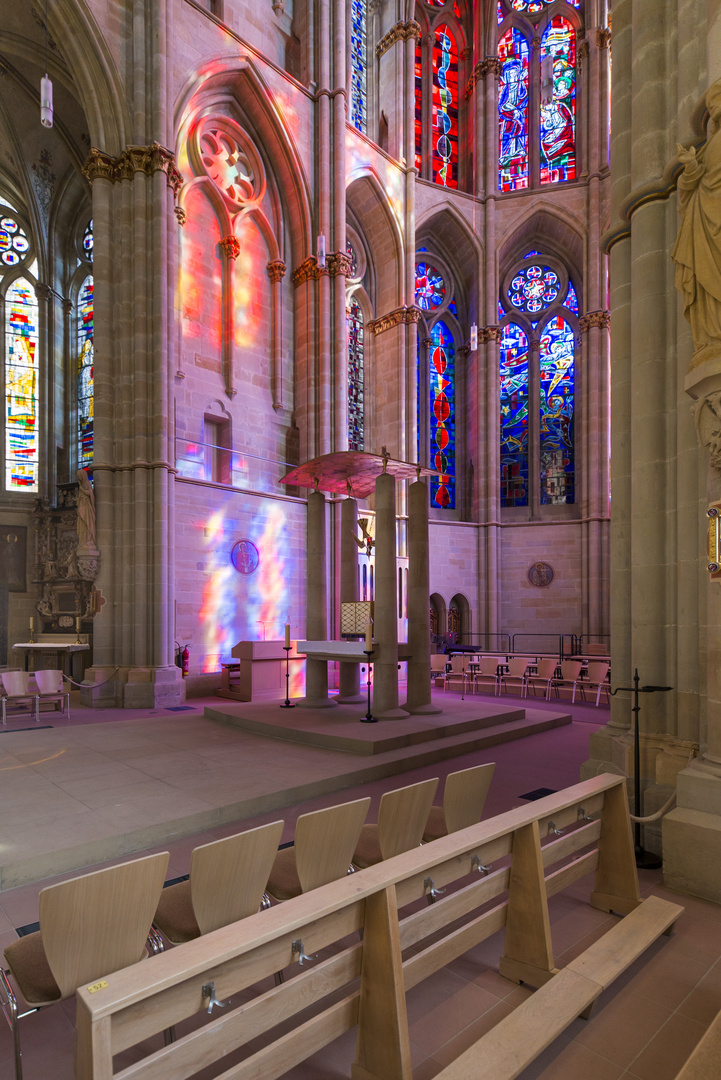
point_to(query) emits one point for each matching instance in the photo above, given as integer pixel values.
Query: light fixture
(46, 101)
(474, 337)
(320, 251)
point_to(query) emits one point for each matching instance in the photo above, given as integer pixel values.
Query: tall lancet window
(558, 117)
(21, 386)
(443, 416)
(557, 409)
(514, 416)
(513, 168)
(358, 65)
(355, 376)
(445, 109)
(85, 373)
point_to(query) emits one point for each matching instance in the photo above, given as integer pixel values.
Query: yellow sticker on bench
(94, 987)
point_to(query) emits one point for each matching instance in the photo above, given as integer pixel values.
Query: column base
(351, 699)
(316, 703)
(421, 710)
(692, 833)
(133, 688)
(391, 714)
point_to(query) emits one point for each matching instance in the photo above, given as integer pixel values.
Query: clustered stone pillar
(419, 665)
(316, 671)
(349, 674)
(385, 669)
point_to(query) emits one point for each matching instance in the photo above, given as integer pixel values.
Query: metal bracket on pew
(553, 831)
(476, 864)
(297, 947)
(209, 992)
(583, 816)
(431, 891)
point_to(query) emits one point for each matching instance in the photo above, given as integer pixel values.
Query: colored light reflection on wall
(220, 597)
(200, 272)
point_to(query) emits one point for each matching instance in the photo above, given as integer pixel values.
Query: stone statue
(86, 516)
(697, 251)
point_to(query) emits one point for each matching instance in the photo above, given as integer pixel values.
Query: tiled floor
(643, 1028)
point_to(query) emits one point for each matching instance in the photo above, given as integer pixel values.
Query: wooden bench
(504, 870)
(705, 1061)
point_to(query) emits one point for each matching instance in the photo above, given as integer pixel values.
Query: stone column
(349, 674)
(276, 272)
(385, 658)
(316, 671)
(419, 635)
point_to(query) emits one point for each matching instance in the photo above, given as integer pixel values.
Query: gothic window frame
(533, 27)
(535, 508)
(25, 269)
(356, 291)
(83, 271)
(430, 17)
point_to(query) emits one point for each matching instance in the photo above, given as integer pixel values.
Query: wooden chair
(570, 675)
(464, 797)
(438, 665)
(487, 673)
(515, 676)
(324, 844)
(227, 881)
(596, 679)
(90, 926)
(545, 673)
(458, 671)
(49, 682)
(402, 817)
(15, 685)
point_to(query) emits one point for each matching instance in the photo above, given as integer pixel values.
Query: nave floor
(643, 1028)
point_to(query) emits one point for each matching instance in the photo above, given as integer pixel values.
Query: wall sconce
(320, 251)
(46, 101)
(474, 337)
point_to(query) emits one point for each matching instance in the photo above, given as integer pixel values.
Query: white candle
(32, 623)
(77, 625)
(287, 635)
(369, 638)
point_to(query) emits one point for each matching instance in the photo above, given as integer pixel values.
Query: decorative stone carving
(394, 318)
(491, 65)
(697, 251)
(336, 263)
(400, 32)
(145, 159)
(603, 37)
(276, 270)
(180, 215)
(594, 318)
(489, 333)
(582, 50)
(707, 417)
(86, 516)
(43, 291)
(231, 246)
(67, 560)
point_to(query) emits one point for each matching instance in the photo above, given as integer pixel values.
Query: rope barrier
(87, 686)
(666, 806)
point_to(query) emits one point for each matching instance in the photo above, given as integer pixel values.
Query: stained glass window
(534, 288)
(500, 13)
(21, 387)
(445, 109)
(350, 251)
(88, 241)
(513, 112)
(533, 7)
(85, 374)
(452, 306)
(418, 104)
(14, 243)
(358, 65)
(558, 118)
(571, 301)
(514, 416)
(443, 417)
(557, 391)
(355, 376)
(430, 287)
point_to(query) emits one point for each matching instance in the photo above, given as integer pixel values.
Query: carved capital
(536, 44)
(582, 50)
(337, 263)
(98, 166)
(305, 271)
(395, 318)
(603, 37)
(601, 319)
(489, 333)
(68, 307)
(534, 345)
(276, 270)
(43, 291)
(231, 246)
(463, 350)
(180, 215)
(400, 32)
(466, 53)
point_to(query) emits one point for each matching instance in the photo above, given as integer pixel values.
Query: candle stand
(287, 704)
(369, 718)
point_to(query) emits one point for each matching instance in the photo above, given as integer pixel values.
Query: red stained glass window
(445, 109)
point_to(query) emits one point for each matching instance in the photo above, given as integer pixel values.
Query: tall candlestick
(32, 623)
(369, 638)
(287, 635)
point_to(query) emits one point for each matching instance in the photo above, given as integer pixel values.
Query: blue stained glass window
(443, 417)
(557, 412)
(452, 306)
(514, 416)
(430, 287)
(534, 288)
(571, 301)
(85, 374)
(530, 254)
(358, 64)
(14, 244)
(558, 118)
(88, 241)
(513, 111)
(355, 376)
(500, 13)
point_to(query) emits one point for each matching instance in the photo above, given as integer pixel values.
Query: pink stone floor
(642, 1028)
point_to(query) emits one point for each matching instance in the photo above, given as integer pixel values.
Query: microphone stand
(645, 860)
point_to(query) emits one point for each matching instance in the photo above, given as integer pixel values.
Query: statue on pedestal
(697, 251)
(87, 547)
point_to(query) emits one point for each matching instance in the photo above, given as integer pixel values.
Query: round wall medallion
(244, 556)
(540, 574)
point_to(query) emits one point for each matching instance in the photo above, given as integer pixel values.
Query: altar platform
(79, 793)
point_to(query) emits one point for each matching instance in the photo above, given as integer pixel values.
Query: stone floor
(643, 1028)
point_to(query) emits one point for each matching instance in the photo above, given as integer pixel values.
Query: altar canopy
(351, 472)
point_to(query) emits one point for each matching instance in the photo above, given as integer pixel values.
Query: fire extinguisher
(185, 656)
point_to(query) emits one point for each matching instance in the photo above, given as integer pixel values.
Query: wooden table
(62, 651)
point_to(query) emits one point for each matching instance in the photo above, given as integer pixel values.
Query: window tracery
(85, 373)
(356, 375)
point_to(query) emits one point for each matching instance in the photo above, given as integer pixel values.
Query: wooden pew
(505, 870)
(705, 1061)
